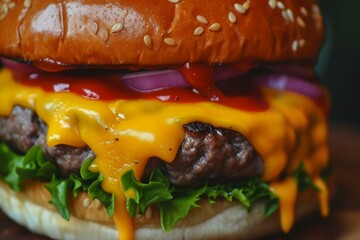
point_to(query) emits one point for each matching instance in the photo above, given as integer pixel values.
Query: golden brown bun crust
(113, 32)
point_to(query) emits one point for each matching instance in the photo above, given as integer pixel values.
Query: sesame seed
(316, 16)
(198, 31)
(246, 5)
(284, 15)
(86, 202)
(315, 8)
(294, 45)
(301, 22)
(4, 8)
(148, 41)
(290, 15)
(304, 11)
(232, 17)
(239, 8)
(170, 41)
(215, 27)
(27, 3)
(272, 4)
(11, 5)
(117, 27)
(316, 12)
(174, 1)
(202, 19)
(280, 5)
(302, 42)
(95, 28)
(3, 11)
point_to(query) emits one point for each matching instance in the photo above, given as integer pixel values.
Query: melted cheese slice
(124, 134)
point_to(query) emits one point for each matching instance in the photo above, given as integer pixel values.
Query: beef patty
(207, 153)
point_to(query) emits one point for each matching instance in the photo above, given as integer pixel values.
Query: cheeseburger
(162, 119)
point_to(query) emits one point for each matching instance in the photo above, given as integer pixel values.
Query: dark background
(339, 63)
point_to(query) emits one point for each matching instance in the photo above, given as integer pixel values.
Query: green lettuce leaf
(246, 193)
(108, 200)
(154, 192)
(179, 206)
(59, 190)
(174, 203)
(16, 168)
(303, 179)
(36, 166)
(7, 158)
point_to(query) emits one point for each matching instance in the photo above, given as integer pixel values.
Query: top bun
(160, 32)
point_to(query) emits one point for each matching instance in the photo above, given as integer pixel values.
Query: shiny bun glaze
(155, 33)
(160, 32)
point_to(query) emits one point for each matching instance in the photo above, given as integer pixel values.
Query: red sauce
(201, 78)
(109, 86)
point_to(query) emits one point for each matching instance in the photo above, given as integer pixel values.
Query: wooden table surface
(344, 221)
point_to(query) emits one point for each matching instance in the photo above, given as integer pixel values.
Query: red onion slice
(290, 83)
(156, 80)
(149, 81)
(292, 70)
(17, 67)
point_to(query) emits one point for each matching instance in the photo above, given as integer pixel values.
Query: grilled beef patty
(207, 154)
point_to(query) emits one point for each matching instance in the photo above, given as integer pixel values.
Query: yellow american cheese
(124, 134)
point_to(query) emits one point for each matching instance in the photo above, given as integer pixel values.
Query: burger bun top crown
(160, 32)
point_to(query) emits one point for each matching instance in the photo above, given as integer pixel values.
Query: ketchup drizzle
(109, 86)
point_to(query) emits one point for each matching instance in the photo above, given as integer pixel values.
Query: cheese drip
(323, 196)
(287, 193)
(124, 134)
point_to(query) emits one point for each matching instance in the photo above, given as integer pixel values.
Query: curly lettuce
(173, 202)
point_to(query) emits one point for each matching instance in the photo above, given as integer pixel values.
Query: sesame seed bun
(136, 34)
(89, 221)
(161, 32)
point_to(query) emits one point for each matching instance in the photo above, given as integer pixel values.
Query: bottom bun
(31, 209)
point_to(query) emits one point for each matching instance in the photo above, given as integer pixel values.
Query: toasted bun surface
(224, 221)
(159, 32)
